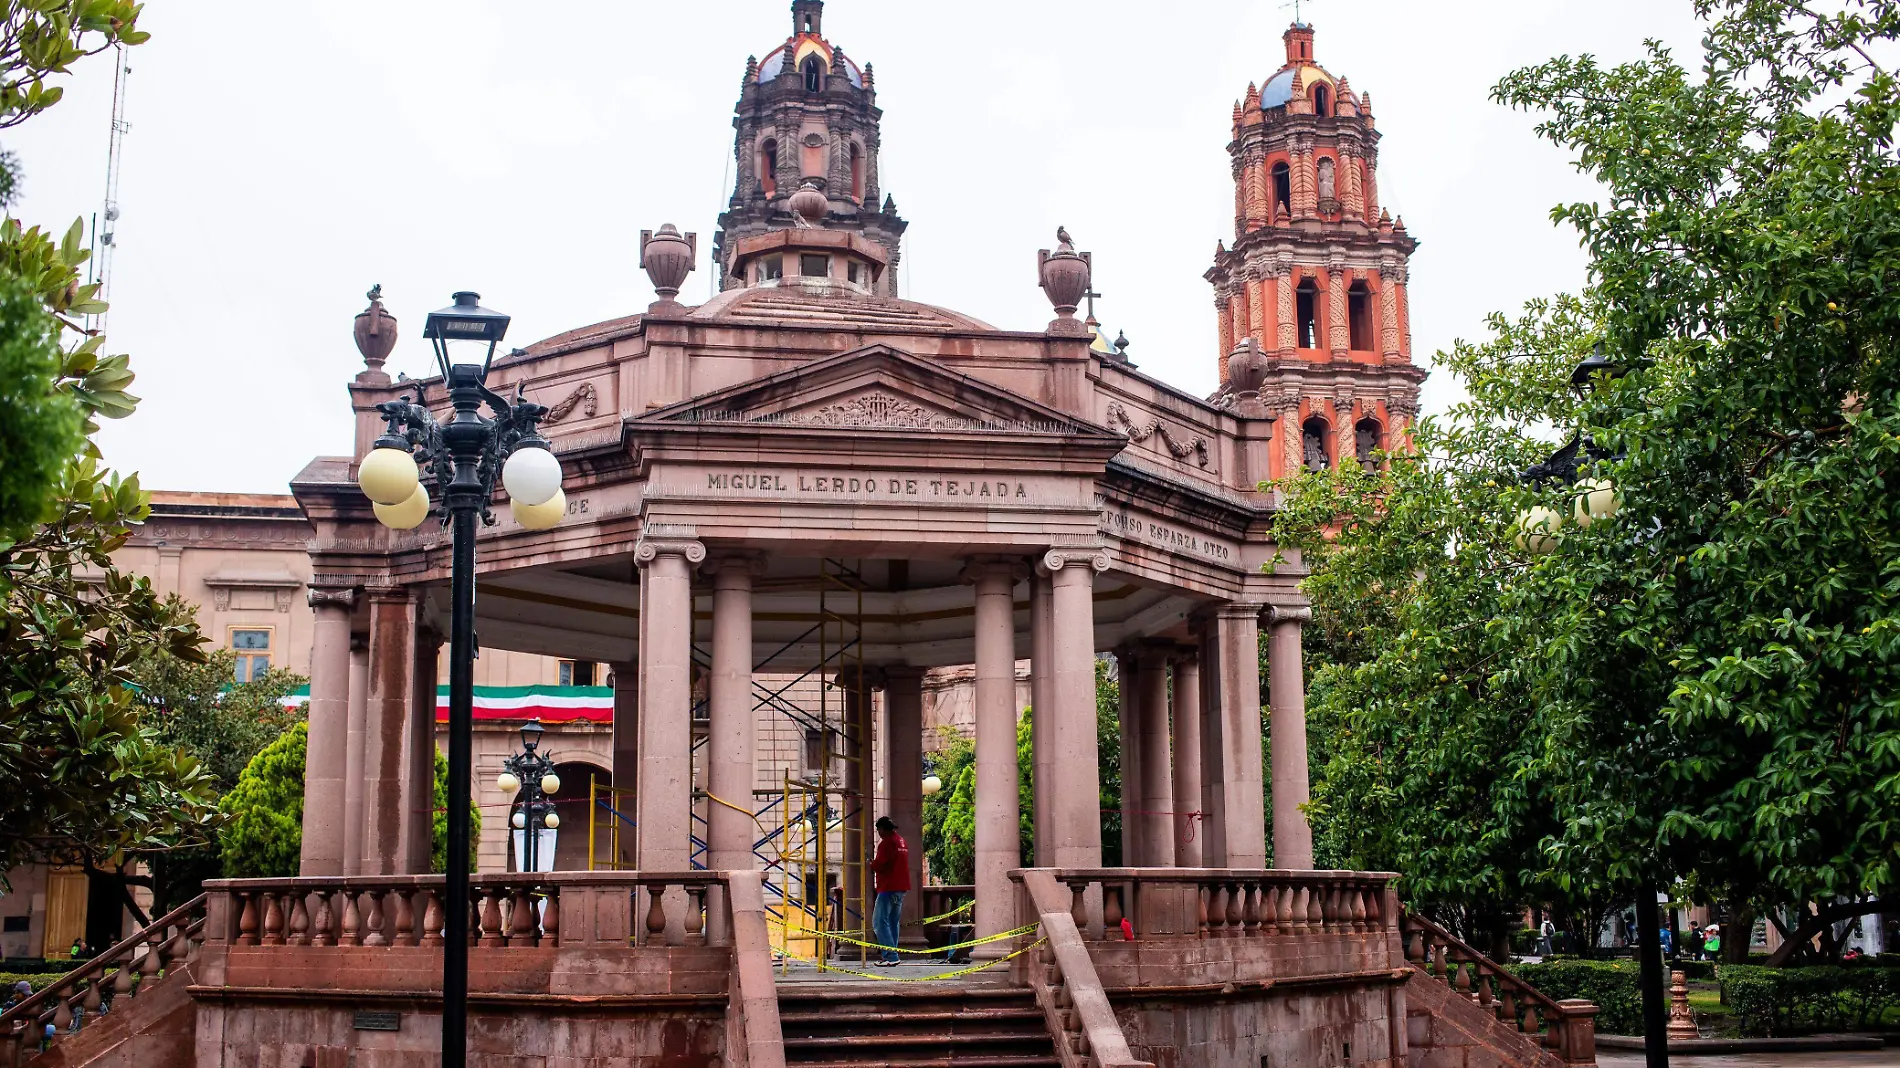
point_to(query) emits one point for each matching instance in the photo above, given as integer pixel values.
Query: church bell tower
(1314, 326)
(807, 117)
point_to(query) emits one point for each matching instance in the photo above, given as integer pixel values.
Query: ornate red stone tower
(1314, 328)
(807, 116)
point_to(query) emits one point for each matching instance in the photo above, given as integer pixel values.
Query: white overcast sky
(283, 157)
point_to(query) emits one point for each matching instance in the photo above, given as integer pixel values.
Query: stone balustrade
(84, 994)
(507, 910)
(1566, 1028)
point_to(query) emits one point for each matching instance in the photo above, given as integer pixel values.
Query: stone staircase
(885, 1025)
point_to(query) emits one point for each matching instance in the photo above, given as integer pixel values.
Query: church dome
(801, 48)
(1279, 88)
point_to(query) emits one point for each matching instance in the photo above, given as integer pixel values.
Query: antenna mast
(115, 155)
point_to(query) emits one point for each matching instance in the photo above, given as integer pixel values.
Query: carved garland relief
(1118, 416)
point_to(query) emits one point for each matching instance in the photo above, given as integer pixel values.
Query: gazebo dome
(1279, 88)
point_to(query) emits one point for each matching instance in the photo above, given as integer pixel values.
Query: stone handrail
(508, 910)
(88, 990)
(754, 1037)
(1567, 1028)
(1065, 983)
(1229, 902)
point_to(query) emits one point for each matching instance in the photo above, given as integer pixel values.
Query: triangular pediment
(876, 389)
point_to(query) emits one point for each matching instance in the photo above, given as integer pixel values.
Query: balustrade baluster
(1217, 910)
(1462, 983)
(92, 999)
(323, 931)
(1356, 901)
(1079, 906)
(1269, 909)
(656, 910)
(1530, 1024)
(491, 918)
(405, 919)
(178, 945)
(352, 927)
(1202, 892)
(1483, 996)
(299, 921)
(474, 916)
(63, 1016)
(551, 917)
(1315, 910)
(432, 918)
(1250, 915)
(521, 918)
(695, 911)
(1111, 912)
(273, 920)
(373, 917)
(1236, 909)
(1507, 1005)
(122, 979)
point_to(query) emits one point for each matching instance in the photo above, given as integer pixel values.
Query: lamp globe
(531, 475)
(542, 516)
(388, 476)
(405, 516)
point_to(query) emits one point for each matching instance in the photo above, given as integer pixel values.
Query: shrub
(1775, 1002)
(1611, 985)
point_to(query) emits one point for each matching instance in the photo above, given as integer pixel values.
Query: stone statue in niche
(1326, 179)
(1367, 443)
(1313, 437)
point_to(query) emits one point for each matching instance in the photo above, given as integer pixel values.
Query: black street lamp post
(532, 773)
(461, 455)
(1568, 465)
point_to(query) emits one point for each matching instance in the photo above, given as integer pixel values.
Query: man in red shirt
(890, 868)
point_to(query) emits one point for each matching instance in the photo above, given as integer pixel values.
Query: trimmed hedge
(1774, 1002)
(1612, 985)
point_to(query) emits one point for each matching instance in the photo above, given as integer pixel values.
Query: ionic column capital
(657, 541)
(1280, 615)
(1091, 558)
(344, 597)
(978, 568)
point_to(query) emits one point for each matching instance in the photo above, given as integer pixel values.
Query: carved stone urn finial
(1246, 367)
(1065, 275)
(809, 205)
(375, 335)
(668, 257)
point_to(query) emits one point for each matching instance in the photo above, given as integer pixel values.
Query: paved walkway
(1873, 1058)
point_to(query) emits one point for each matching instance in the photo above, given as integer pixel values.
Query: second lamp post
(531, 774)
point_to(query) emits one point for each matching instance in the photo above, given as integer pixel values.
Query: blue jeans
(884, 921)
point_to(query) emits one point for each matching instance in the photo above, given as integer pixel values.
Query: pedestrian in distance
(890, 870)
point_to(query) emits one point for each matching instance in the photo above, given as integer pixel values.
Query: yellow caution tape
(960, 973)
(832, 936)
(965, 907)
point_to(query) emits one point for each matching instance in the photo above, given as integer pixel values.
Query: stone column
(1243, 802)
(326, 754)
(904, 703)
(1042, 710)
(998, 838)
(1187, 760)
(1292, 837)
(626, 760)
(857, 745)
(418, 780)
(1157, 787)
(1225, 334)
(666, 701)
(1213, 767)
(1128, 671)
(732, 732)
(392, 646)
(1289, 306)
(1338, 337)
(353, 758)
(1076, 822)
(1257, 306)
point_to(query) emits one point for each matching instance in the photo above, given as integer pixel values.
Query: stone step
(910, 1016)
(989, 1038)
(1027, 1060)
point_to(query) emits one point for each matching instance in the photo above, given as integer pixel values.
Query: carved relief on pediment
(876, 409)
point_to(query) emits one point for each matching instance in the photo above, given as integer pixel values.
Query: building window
(1282, 187)
(1308, 314)
(578, 672)
(857, 173)
(1313, 440)
(1359, 316)
(814, 750)
(814, 266)
(1322, 100)
(771, 268)
(814, 75)
(252, 647)
(1366, 444)
(768, 167)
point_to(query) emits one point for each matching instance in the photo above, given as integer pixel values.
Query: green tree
(262, 833)
(1703, 686)
(196, 706)
(39, 426)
